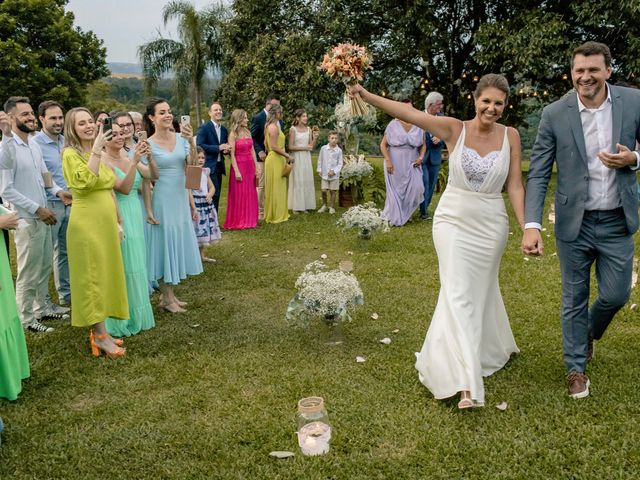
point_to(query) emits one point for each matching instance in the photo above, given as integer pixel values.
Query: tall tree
(198, 51)
(44, 56)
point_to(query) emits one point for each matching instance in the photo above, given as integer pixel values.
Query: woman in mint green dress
(14, 361)
(128, 173)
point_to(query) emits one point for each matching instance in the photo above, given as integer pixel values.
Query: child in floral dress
(205, 217)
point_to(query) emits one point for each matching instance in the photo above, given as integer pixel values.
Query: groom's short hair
(593, 48)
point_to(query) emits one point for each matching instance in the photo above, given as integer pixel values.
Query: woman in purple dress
(242, 203)
(403, 148)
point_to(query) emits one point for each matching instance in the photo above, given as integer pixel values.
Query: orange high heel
(96, 350)
(118, 341)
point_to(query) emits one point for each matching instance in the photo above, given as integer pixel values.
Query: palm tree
(199, 49)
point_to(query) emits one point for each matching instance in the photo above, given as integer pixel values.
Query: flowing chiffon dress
(242, 202)
(134, 256)
(14, 360)
(302, 192)
(275, 185)
(469, 337)
(96, 271)
(172, 249)
(405, 189)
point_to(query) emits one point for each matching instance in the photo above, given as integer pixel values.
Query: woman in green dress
(98, 288)
(276, 201)
(14, 361)
(129, 173)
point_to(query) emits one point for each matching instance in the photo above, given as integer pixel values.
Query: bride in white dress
(469, 336)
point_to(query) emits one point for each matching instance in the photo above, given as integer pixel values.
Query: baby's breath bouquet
(323, 293)
(366, 218)
(355, 169)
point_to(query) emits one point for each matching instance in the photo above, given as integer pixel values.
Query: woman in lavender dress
(403, 148)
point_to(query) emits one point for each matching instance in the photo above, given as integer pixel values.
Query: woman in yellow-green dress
(98, 288)
(276, 208)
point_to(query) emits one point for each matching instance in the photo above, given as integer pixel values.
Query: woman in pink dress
(242, 202)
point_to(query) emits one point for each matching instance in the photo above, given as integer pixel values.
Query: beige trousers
(260, 188)
(34, 256)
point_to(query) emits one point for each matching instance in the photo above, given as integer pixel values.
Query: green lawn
(210, 393)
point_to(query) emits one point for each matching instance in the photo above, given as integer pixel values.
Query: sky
(124, 24)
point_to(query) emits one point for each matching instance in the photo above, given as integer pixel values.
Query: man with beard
(24, 185)
(51, 143)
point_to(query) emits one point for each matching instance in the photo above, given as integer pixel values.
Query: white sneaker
(322, 209)
(332, 210)
(54, 311)
(37, 327)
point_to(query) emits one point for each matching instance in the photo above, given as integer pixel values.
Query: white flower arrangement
(323, 293)
(356, 168)
(366, 218)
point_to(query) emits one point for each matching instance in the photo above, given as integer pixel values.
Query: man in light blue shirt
(51, 143)
(24, 180)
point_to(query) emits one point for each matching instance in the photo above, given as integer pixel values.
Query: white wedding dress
(469, 336)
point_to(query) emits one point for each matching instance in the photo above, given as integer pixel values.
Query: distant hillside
(125, 70)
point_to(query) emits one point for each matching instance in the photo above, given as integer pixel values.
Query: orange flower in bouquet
(347, 62)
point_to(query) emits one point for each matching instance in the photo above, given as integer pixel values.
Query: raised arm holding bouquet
(347, 62)
(470, 232)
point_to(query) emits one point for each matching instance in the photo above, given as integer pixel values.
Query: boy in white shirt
(329, 166)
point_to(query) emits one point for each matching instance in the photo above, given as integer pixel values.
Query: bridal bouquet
(347, 62)
(324, 293)
(366, 218)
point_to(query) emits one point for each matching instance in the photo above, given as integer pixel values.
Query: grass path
(210, 393)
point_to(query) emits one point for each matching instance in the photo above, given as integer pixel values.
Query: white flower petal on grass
(544, 229)
(323, 256)
(360, 359)
(386, 340)
(282, 454)
(265, 255)
(526, 259)
(375, 316)
(634, 279)
(395, 331)
(634, 306)
(195, 325)
(502, 406)
(554, 254)
(510, 233)
(288, 251)
(349, 253)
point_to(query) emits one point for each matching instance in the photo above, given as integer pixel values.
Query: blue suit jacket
(257, 131)
(433, 154)
(207, 138)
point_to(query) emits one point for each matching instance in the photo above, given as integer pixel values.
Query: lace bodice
(470, 171)
(476, 167)
(301, 139)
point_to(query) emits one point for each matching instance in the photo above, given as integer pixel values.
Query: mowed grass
(210, 393)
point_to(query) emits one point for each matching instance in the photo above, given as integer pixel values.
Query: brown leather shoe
(590, 349)
(578, 385)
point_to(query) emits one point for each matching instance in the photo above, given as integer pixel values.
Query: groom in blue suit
(212, 137)
(590, 133)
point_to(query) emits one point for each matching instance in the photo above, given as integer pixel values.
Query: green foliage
(374, 188)
(99, 98)
(43, 56)
(198, 51)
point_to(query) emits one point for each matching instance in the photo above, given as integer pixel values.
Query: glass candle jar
(314, 430)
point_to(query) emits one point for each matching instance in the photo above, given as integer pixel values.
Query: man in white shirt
(591, 134)
(24, 185)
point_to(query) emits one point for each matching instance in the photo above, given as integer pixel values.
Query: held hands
(101, 140)
(532, 242)
(262, 156)
(418, 162)
(186, 131)
(5, 124)
(9, 221)
(65, 197)
(355, 90)
(332, 173)
(624, 157)
(47, 216)
(142, 150)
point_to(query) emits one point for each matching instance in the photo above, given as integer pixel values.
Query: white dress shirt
(22, 184)
(330, 159)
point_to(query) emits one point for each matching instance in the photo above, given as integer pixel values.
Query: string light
(475, 78)
(464, 75)
(564, 76)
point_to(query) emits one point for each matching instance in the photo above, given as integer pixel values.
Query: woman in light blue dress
(172, 249)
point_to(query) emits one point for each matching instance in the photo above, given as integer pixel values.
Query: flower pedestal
(345, 197)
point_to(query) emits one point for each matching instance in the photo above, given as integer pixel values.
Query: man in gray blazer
(590, 133)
